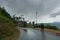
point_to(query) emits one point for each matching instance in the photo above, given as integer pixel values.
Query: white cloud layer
(45, 9)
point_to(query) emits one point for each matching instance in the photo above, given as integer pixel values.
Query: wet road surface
(33, 34)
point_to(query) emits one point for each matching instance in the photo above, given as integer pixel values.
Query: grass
(7, 27)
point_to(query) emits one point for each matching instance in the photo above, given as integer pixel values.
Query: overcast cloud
(48, 10)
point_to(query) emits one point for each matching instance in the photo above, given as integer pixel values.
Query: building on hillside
(19, 21)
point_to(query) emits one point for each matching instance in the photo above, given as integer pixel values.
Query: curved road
(33, 34)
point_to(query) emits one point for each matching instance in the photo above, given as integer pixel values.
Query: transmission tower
(36, 17)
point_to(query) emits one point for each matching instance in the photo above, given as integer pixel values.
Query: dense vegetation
(7, 26)
(45, 26)
(4, 13)
(51, 27)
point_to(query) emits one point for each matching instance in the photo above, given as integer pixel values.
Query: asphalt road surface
(33, 34)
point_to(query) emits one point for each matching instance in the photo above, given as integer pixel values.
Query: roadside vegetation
(7, 25)
(47, 26)
(51, 27)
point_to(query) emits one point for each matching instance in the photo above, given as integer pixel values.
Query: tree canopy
(4, 12)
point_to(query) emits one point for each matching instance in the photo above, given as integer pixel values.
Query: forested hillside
(7, 26)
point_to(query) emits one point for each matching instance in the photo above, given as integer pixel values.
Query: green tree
(4, 12)
(25, 23)
(33, 23)
(51, 27)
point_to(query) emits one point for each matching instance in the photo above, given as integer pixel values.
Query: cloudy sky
(47, 10)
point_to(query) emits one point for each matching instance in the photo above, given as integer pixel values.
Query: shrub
(51, 27)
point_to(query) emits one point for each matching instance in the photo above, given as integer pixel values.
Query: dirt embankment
(13, 37)
(8, 32)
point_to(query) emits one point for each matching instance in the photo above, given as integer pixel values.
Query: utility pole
(36, 17)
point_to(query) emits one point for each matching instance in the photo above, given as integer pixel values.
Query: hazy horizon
(47, 10)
